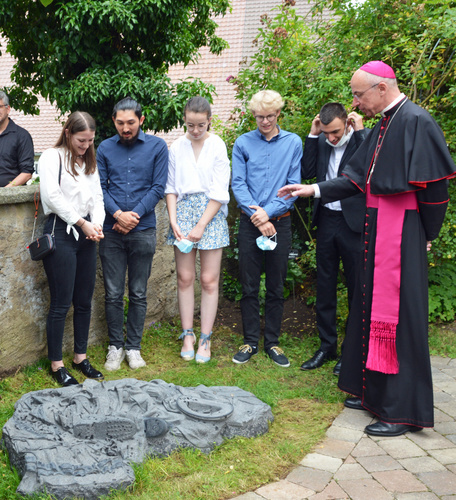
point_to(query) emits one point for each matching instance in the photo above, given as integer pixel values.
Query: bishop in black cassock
(403, 167)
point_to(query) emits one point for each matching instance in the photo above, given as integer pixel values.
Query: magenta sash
(382, 355)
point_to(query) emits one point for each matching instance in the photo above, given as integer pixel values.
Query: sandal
(188, 355)
(205, 341)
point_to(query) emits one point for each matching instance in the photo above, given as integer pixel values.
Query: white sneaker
(114, 358)
(134, 359)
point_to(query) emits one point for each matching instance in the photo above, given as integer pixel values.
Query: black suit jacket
(314, 163)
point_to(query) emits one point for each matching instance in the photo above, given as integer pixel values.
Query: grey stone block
(80, 440)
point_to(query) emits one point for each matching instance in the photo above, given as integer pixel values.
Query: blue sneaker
(277, 355)
(244, 354)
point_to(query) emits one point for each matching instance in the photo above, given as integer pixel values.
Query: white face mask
(265, 243)
(184, 245)
(343, 140)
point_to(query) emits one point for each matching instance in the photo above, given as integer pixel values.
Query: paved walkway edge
(349, 464)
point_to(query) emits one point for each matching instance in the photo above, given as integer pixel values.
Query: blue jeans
(133, 251)
(252, 260)
(70, 271)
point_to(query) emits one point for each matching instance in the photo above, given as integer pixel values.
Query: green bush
(442, 292)
(231, 286)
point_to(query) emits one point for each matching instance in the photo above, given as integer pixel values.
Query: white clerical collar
(396, 101)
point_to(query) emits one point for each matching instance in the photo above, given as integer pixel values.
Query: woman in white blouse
(197, 197)
(72, 198)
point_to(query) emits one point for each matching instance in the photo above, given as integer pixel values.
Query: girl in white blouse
(71, 195)
(197, 197)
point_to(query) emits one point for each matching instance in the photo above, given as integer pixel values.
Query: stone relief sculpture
(80, 440)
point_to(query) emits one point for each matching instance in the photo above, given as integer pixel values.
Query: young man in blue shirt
(264, 160)
(133, 171)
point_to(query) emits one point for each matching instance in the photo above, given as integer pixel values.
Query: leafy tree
(87, 54)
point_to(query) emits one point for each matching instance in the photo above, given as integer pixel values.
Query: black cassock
(413, 157)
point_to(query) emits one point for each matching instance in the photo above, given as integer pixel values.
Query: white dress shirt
(74, 197)
(333, 168)
(209, 175)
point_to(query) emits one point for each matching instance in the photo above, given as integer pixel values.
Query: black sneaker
(244, 354)
(278, 356)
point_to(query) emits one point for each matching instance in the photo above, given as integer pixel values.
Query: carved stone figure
(80, 440)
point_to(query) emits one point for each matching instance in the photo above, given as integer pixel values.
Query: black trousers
(70, 271)
(335, 241)
(252, 261)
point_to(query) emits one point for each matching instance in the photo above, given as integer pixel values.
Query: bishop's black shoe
(354, 404)
(384, 429)
(318, 360)
(337, 367)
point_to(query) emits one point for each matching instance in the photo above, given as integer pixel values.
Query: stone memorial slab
(80, 440)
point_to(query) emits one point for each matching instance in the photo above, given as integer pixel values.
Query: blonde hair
(266, 99)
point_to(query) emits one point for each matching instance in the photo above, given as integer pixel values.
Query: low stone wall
(24, 292)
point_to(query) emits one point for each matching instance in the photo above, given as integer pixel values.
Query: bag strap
(36, 200)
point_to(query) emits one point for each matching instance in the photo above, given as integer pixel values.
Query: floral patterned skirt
(189, 211)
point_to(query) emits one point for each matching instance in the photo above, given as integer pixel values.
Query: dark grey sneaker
(245, 352)
(278, 356)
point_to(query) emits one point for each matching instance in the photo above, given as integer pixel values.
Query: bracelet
(120, 213)
(82, 224)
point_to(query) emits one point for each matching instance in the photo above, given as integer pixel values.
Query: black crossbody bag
(44, 245)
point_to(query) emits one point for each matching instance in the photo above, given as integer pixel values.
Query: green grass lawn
(303, 404)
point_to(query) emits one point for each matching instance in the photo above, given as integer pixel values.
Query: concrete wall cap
(17, 194)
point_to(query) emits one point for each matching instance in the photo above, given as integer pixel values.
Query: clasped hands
(125, 222)
(260, 219)
(93, 232)
(194, 235)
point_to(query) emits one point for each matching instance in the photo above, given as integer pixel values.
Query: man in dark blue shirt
(263, 161)
(133, 170)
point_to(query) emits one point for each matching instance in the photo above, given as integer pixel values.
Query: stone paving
(350, 464)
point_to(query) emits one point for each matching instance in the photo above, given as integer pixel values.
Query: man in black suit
(334, 137)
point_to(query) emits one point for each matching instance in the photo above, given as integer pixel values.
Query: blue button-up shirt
(133, 178)
(261, 167)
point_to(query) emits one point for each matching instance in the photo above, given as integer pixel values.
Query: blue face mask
(185, 246)
(265, 243)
